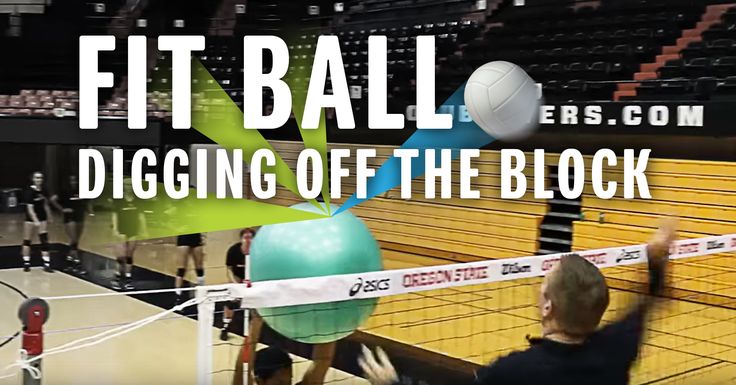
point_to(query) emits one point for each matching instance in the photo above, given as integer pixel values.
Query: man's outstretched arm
(627, 332)
(322, 356)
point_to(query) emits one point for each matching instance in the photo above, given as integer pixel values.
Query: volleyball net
(467, 314)
(438, 323)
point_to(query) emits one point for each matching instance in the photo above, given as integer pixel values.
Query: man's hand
(658, 248)
(377, 368)
(658, 252)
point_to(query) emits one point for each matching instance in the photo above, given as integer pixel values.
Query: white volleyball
(503, 100)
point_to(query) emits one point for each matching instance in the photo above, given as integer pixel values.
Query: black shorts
(41, 217)
(73, 217)
(190, 240)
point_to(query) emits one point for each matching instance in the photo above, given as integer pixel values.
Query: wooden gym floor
(687, 342)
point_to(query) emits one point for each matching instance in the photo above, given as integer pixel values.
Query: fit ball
(341, 244)
(503, 100)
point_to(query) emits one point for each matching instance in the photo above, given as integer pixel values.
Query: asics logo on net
(369, 286)
(628, 255)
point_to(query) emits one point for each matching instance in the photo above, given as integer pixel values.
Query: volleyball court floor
(689, 340)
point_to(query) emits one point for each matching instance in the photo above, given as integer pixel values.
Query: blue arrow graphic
(462, 135)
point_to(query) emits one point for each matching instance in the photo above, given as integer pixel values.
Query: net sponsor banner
(402, 281)
(639, 117)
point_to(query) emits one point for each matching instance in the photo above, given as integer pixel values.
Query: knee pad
(27, 242)
(200, 272)
(73, 246)
(129, 260)
(180, 272)
(44, 237)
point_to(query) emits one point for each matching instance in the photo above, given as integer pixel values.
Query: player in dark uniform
(186, 245)
(130, 225)
(37, 218)
(74, 210)
(235, 261)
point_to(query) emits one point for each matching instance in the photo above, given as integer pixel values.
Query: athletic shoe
(116, 284)
(69, 267)
(48, 269)
(128, 284)
(26, 267)
(80, 270)
(224, 335)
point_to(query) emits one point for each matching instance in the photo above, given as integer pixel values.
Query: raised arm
(626, 334)
(322, 356)
(249, 346)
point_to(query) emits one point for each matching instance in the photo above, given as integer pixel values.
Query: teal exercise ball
(340, 244)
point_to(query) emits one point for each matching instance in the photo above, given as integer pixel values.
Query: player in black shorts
(186, 245)
(37, 218)
(130, 225)
(74, 210)
(235, 261)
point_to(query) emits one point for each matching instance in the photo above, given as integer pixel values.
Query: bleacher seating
(702, 67)
(176, 17)
(700, 193)
(59, 103)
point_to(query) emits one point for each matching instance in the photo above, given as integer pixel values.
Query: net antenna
(336, 288)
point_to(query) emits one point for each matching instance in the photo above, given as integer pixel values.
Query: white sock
(200, 281)
(46, 259)
(26, 258)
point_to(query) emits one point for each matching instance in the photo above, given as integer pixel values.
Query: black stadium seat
(675, 89)
(726, 90)
(717, 31)
(721, 47)
(578, 53)
(697, 67)
(646, 90)
(725, 66)
(672, 69)
(704, 87)
(694, 49)
(729, 17)
(599, 70)
(598, 53)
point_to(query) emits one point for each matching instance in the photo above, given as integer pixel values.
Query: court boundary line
(24, 296)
